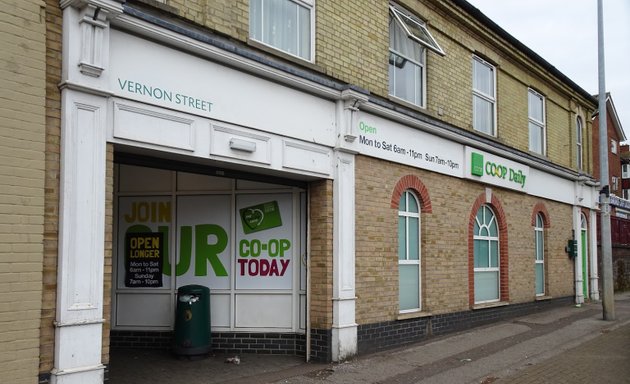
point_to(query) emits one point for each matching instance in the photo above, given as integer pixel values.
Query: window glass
(539, 265)
(579, 134)
(282, 24)
(536, 103)
(414, 228)
(484, 96)
(494, 254)
(409, 252)
(540, 279)
(486, 256)
(402, 238)
(406, 64)
(483, 78)
(409, 294)
(486, 286)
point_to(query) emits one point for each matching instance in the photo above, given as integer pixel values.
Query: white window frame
(488, 238)
(625, 171)
(310, 6)
(579, 128)
(615, 184)
(539, 235)
(535, 123)
(403, 19)
(421, 35)
(407, 194)
(613, 146)
(490, 98)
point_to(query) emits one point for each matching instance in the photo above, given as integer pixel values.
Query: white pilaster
(594, 286)
(79, 318)
(80, 265)
(344, 327)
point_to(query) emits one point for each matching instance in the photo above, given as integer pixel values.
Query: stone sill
(493, 304)
(544, 297)
(413, 315)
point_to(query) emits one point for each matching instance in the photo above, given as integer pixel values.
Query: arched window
(486, 254)
(539, 239)
(578, 135)
(409, 252)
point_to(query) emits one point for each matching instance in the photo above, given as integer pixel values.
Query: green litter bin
(192, 321)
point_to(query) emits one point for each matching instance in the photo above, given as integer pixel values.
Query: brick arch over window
(497, 207)
(586, 214)
(540, 208)
(412, 182)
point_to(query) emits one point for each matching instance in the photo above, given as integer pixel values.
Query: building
(616, 136)
(625, 171)
(343, 176)
(619, 203)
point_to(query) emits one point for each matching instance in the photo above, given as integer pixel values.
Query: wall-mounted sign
(143, 259)
(496, 170)
(396, 142)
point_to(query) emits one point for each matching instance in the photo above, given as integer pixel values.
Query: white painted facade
(187, 103)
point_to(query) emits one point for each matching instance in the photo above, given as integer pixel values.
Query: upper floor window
(579, 136)
(408, 40)
(615, 183)
(484, 96)
(536, 108)
(613, 146)
(283, 24)
(625, 171)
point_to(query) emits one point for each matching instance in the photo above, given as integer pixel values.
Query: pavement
(565, 344)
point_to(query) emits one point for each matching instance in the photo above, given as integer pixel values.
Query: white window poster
(203, 240)
(144, 225)
(264, 241)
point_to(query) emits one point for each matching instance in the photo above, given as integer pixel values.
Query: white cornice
(111, 6)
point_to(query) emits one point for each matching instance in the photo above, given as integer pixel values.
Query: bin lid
(193, 288)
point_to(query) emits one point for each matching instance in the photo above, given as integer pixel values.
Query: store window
(539, 241)
(409, 252)
(408, 40)
(484, 96)
(536, 108)
(286, 25)
(244, 240)
(579, 137)
(486, 256)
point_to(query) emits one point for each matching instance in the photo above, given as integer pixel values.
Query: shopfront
(244, 240)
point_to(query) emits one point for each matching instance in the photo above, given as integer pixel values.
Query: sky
(564, 33)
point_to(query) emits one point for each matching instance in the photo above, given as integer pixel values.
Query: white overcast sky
(564, 32)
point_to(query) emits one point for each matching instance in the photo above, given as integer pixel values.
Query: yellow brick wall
(51, 214)
(444, 234)
(352, 45)
(321, 260)
(352, 42)
(22, 141)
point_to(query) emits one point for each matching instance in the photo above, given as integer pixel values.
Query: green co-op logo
(479, 167)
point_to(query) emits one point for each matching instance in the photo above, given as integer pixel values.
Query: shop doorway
(243, 238)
